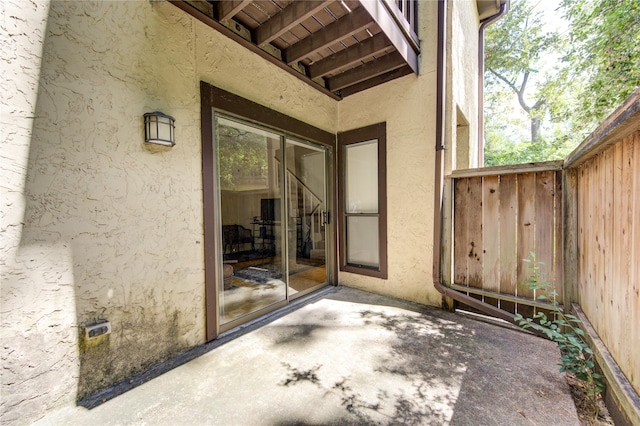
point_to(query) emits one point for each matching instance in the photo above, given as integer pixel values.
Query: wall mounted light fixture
(159, 128)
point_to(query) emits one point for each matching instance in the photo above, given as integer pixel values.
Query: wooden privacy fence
(605, 192)
(500, 216)
(581, 218)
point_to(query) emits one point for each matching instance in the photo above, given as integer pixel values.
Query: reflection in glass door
(272, 219)
(306, 216)
(252, 272)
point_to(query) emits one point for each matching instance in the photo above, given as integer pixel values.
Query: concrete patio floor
(352, 357)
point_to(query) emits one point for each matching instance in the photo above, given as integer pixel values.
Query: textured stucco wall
(463, 72)
(96, 225)
(37, 310)
(408, 105)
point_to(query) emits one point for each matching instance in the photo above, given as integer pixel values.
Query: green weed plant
(564, 329)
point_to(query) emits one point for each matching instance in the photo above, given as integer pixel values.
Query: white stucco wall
(96, 225)
(37, 310)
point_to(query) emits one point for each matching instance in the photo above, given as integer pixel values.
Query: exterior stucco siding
(96, 225)
(406, 109)
(408, 105)
(463, 66)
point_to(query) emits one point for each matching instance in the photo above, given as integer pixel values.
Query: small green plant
(563, 329)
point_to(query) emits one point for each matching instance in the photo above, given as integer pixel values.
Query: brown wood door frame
(213, 98)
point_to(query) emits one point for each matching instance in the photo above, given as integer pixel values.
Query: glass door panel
(252, 271)
(307, 214)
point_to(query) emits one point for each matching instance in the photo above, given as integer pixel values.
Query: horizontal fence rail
(501, 217)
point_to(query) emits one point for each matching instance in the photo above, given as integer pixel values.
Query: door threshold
(293, 305)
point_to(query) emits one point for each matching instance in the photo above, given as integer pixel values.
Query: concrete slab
(354, 358)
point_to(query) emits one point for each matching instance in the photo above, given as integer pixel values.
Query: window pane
(362, 241)
(362, 177)
(245, 157)
(251, 269)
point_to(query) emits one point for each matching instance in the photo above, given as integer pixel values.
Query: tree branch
(504, 79)
(539, 104)
(520, 93)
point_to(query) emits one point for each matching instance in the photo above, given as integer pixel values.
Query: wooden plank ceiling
(338, 46)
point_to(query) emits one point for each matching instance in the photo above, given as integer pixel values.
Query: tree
(242, 156)
(604, 52)
(513, 49)
(566, 83)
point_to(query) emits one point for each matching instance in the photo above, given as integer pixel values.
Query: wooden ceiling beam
(375, 81)
(216, 25)
(358, 20)
(366, 71)
(227, 9)
(289, 17)
(376, 45)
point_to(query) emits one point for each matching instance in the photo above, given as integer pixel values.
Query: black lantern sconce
(159, 128)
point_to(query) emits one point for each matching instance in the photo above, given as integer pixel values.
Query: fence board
(474, 229)
(634, 324)
(558, 263)
(491, 236)
(526, 235)
(583, 200)
(608, 255)
(460, 231)
(508, 247)
(583, 219)
(620, 272)
(590, 234)
(609, 246)
(544, 195)
(598, 239)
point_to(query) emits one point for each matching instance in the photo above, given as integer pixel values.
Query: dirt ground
(584, 406)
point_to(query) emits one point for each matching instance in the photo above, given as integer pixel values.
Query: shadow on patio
(352, 357)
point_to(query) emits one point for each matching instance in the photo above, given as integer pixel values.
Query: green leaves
(242, 157)
(603, 48)
(563, 329)
(554, 88)
(514, 49)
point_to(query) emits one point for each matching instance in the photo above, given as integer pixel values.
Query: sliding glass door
(307, 216)
(271, 221)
